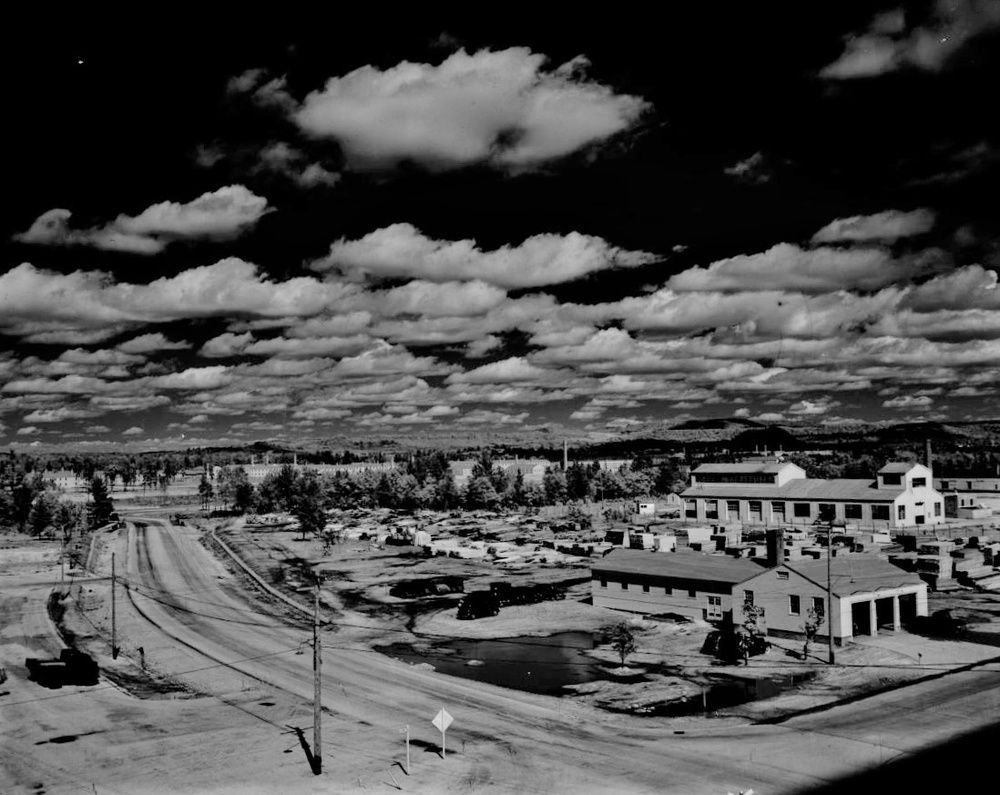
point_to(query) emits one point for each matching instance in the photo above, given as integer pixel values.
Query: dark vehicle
(431, 586)
(726, 645)
(507, 594)
(940, 623)
(478, 604)
(72, 668)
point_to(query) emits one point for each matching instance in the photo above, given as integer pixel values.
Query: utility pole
(317, 690)
(829, 589)
(114, 626)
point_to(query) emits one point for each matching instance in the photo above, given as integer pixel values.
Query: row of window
(794, 601)
(736, 478)
(803, 510)
(668, 591)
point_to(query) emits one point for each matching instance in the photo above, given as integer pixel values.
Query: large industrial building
(868, 593)
(778, 493)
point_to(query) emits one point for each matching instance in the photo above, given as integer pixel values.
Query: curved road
(504, 740)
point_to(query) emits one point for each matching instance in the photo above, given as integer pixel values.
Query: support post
(317, 690)
(829, 590)
(114, 623)
(407, 749)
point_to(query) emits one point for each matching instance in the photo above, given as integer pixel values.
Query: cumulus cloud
(504, 108)
(135, 430)
(402, 251)
(753, 170)
(788, 267)
(886, 226)
(28, 430)
(152, 343)
(908, 402)
(88, 299)
(507, 371)
(890, 43)
(283, 159)
(219, 215)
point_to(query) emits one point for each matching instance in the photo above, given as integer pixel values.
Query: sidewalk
(929, 651)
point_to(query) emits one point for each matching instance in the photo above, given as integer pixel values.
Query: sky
(362, 227)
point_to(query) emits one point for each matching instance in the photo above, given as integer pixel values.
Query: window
(668, 591)
(756, 507)
(901, 512)
(645, 588)
(624, 585)
(802, 509)
(794, 606)
(818, 605)
(604, 582)
(892, 479)
(852, 510)
(778, 509)
(733, 506)
(692, 593)
(782, 575)
(691, 509)
(918, 482)
(748, 597)
(937, 509)
(944, 484)
(711, 509)
(715, 600)
(880, 513)
(968, 485)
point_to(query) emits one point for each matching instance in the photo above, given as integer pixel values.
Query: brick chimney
(775, 547)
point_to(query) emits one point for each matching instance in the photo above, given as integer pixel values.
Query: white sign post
(442, 720)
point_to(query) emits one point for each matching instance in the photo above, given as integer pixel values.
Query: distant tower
(565, 455)
(295, 459)
(929, 458)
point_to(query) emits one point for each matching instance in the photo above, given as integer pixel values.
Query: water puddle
(720, 694)
(533, 664)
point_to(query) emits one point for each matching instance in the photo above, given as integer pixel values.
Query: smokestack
(775, 547)
(295, 459)
(929, 458)
(565, 455)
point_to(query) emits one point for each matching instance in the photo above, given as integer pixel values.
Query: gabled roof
(901, 467)
(741, 469)
(806, 489)
(682, 565)
(853, 574)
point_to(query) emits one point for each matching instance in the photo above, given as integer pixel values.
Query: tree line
(426, 481)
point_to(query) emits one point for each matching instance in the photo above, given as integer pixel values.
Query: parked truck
(72, 667)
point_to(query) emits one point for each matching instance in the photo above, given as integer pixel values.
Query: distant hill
(770, 437)
(716, 424)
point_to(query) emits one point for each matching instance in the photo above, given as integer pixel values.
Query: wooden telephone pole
(114, 626)
(317, 690)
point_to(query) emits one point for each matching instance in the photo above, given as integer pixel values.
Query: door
(714, 611)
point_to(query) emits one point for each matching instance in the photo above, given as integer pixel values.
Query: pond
(533, 664)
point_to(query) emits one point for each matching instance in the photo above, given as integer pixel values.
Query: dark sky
(379, 225)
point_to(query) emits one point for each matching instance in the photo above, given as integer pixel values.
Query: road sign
(443, 720)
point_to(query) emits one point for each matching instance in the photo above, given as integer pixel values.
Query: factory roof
(806, 489)
(898, 466)
(748, 468)
(681, 565)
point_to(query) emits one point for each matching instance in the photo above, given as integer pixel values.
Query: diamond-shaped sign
(442, 720)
